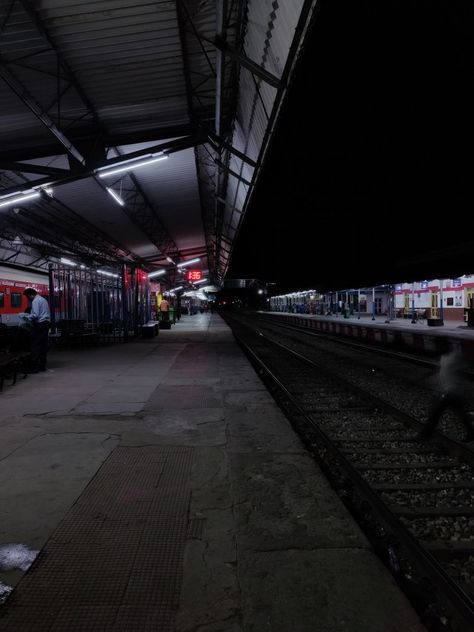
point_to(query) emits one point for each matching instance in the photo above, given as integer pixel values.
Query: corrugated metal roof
(270, 31)
(173, 187)
(97, 207)
(131, 71)
(127, 58)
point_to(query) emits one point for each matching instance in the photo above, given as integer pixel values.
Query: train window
(15, 299)
(450, 301)
(2, 299)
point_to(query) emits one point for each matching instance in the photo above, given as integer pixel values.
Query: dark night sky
(370, 171)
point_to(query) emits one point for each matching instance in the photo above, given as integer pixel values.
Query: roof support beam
(243, 60)
(234, 174)
(38, 111)
(34, 17)
(216, 140)
(107, 141)
(221, 10)
(221, 13)
(22, 167)
(247, 63)
(169, 147)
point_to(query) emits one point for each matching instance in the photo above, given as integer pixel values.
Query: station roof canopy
(134, 131)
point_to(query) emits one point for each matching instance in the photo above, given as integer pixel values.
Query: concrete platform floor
(270, 546)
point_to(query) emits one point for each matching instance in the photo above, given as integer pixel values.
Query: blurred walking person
(453, 393)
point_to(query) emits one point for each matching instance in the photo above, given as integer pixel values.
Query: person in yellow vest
(164, 309)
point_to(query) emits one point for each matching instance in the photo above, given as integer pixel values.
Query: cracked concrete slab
(321, 591)
(199, 427)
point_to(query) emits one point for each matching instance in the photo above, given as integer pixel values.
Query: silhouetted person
(40, 324)
(454, 389)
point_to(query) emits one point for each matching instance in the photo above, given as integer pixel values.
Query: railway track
(413, 499)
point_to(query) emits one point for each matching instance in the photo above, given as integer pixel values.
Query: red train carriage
(12, 301)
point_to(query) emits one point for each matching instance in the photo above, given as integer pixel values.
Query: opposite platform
(399, 333)
(165, 490)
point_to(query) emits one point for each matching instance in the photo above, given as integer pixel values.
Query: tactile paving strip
(115, 561)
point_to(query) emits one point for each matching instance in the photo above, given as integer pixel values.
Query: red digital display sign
(194, 275)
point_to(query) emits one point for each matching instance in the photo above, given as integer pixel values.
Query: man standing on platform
(40, 321)
(164, 309)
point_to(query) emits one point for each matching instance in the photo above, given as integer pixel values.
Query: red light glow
(194, 275)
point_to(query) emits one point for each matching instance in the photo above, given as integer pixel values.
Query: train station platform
(156, 486)
(398, 332)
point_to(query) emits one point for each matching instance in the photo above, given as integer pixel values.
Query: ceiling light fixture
(116, 196)
(170, 260)
(17, 241)
(157, 273)
(14, 198)
(68, 262)
(199, 282)
(128, 166)
(187, 263)
(175, 289)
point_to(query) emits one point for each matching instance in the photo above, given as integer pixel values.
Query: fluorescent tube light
(175, 289)
(201, 281)
(187, 263)
(132, 161)
(116, 196)
(8, 201)
(68, 261)
(157, 273)
(170, 260)
(128, 166)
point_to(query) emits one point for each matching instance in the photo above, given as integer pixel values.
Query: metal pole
(52, 307)
(99, 284)
(413, 314)
(358, 304)
(441, 309)
(389, 303)
(373, 303)
(135, 300)
(124, 305)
